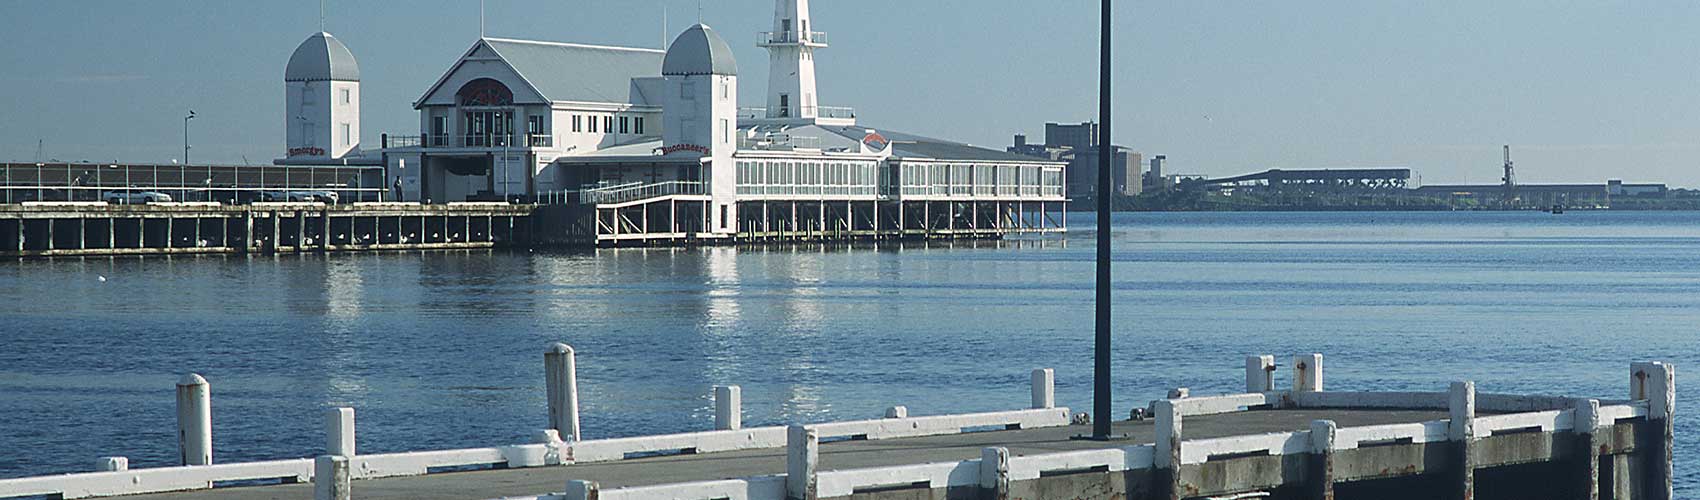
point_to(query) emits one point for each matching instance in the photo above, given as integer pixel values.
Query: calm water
(444, 350)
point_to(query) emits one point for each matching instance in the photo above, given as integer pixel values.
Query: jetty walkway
(1296, 442)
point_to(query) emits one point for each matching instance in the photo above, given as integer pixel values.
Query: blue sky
(1581, 90)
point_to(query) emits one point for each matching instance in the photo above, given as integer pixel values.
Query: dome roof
(699, 51)
(322, 58)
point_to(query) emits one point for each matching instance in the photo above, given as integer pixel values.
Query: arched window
(485, 92)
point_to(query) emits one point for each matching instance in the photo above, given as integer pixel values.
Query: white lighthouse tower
(791, 92)
(700, 115)
(322, 102)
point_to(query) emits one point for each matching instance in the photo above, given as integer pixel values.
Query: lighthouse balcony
(778, 38)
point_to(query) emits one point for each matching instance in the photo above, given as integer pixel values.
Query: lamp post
(186, 137)
(1101, 372)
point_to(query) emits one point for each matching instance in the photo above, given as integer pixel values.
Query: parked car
(329, 197)
(134, 197)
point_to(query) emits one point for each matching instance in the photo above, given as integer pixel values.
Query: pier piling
(582, 490)
(1044, 388)
(1168, 449)
(562, 388)
(994, 472)
(331, 478)
(339, 432)
(728, 407)
(1322, 433)
(111, 464)
(194, 421)
(1259, 374)
(1307, 373)
(1655, 382)
(1461, 429)
(1587, 422)
(802, 456)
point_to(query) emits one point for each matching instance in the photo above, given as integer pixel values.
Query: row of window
(309, 97)
(589, 124)
(807, 177)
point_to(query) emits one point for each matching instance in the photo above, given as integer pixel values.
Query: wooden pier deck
(1299, 442)
(857, 454)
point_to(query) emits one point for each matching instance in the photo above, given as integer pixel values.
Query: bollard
(1655, 382)
(330, 478)
(339, 432)
(802, 455)
(1322, 434)
(1168, 449)
(1587, 424)
(562, 389)
(994, 473)
(112, 464)
(194, 421)
(897, 412)
(728, 407)
(1461, 429)
(1044, 388)
(1307, 373)
(1180, 393)
(1259, 374)
(582, 490)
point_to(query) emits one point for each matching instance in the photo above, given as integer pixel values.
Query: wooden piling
(1461, 430)
(562, 387)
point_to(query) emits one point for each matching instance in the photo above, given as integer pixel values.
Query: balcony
(598, 195)
(470, 141)
(832, 112)
(779, 142)
(810, 38)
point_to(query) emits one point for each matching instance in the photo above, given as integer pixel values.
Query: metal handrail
(625, 192)
(794, 36)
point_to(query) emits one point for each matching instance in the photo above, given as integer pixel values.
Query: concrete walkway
(835, 455)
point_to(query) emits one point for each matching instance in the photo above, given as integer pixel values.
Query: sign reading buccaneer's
(678, 148)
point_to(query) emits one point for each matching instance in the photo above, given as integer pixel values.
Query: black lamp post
(1106, 152)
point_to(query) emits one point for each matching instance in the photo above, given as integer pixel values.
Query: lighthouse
(791, 91)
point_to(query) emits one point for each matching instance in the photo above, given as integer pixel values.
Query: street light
(1101, 372)
(186, 136)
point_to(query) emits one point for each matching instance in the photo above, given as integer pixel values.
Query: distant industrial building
(1548, 194)
(1078, 144)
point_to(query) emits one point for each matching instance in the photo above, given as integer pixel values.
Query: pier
(47, 229)
(1297, 442)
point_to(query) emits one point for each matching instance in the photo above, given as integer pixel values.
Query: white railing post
(802, 456)
(1322, 433)
(562, 388)
(111, 464)
(194, 421)
(1587, 422)
(1044, 388)
(339, 432)
(1461, 429)
(331, 479)
(1655, 382)
(1307, 373)
(1168, 448)
(1259, 374)
(582, 490)
(728, 407)
(994, 473)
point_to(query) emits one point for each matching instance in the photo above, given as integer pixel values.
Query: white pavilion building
(642, 145)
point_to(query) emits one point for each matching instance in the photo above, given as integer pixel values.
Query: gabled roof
(569, 71)
(320, 58)
(699, 51)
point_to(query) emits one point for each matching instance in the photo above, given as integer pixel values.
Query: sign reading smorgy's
(308, 151)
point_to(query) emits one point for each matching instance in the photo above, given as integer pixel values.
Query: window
(625, 125)
(723, 217)
(688, 90)
(578, 123)
(439, 130)
(725, 131)
(784, 105)
(346, 139)
(534, 125)
(592, 124)
(309, 131)
(308, 97)
(725, 90)
(608, 124)
(637, 125)
(345, 99)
